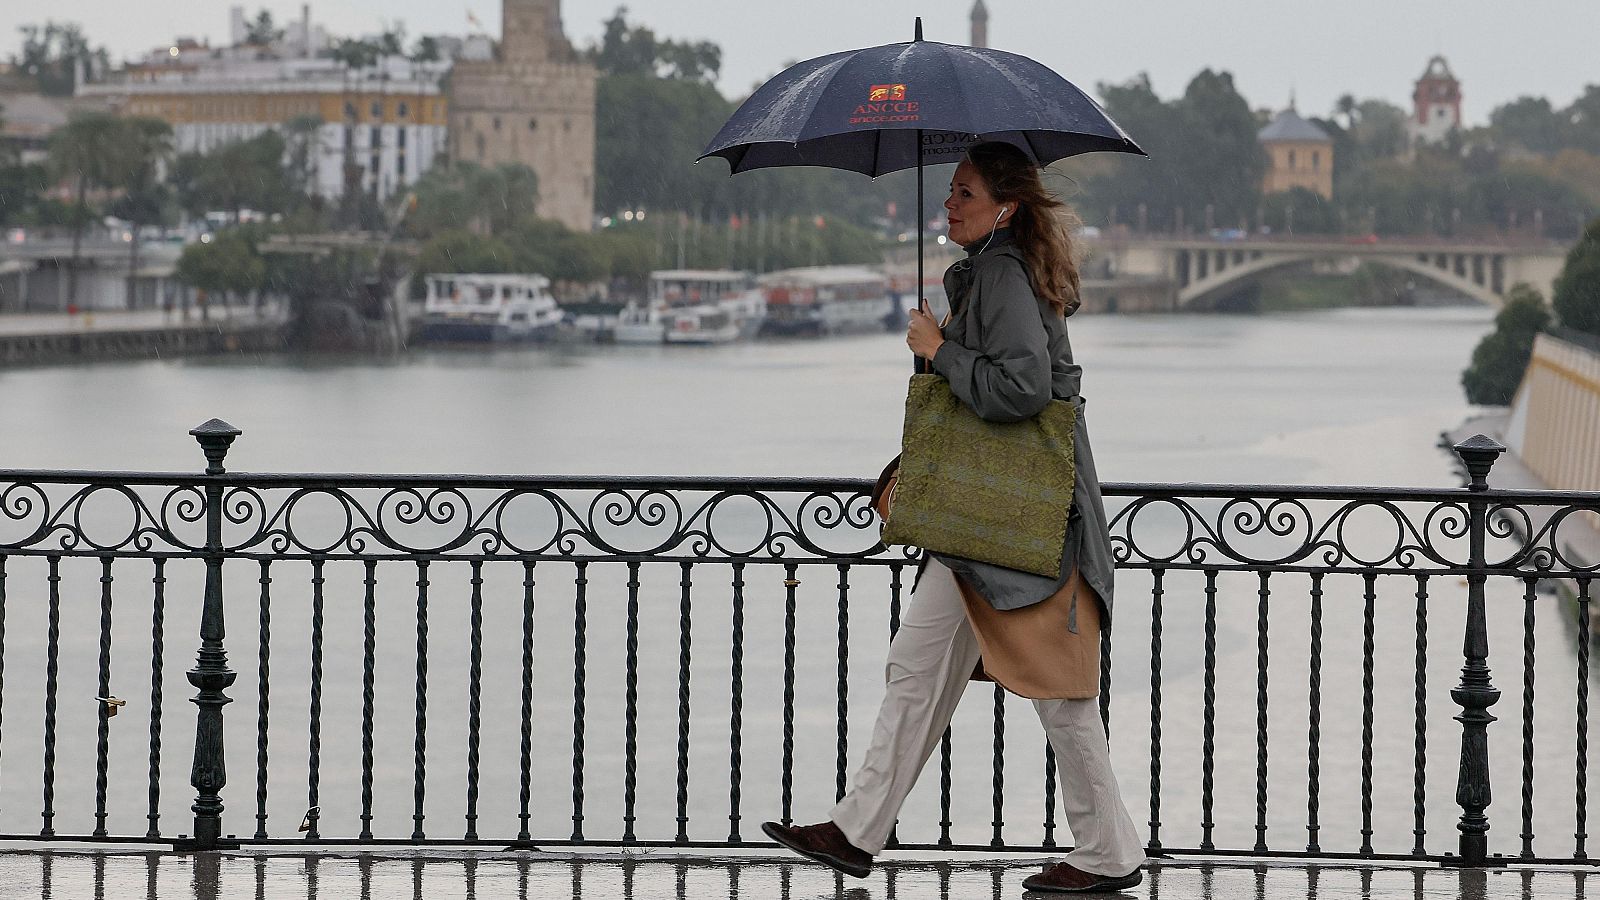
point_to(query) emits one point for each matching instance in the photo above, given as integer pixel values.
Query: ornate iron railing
(413, 616)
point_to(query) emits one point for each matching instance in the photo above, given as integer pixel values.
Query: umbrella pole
(921, 223)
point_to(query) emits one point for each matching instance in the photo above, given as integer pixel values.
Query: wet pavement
(445, 874)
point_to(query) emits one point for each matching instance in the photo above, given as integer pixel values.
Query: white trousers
(930, 660)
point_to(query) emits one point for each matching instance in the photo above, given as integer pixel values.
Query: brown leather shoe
(824, 843)
(1063, 878)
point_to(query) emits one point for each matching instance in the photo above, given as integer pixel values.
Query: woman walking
(1005, 353)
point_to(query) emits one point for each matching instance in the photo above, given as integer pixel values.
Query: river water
(1350, 396)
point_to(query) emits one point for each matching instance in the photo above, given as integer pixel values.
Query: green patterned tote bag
(994, 492)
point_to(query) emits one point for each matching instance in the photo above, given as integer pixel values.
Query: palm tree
(86, 151)
(146, 147)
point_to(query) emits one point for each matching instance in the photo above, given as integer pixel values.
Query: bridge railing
(537, 661)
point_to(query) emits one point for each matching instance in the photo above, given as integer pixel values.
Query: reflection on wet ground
(445, 875)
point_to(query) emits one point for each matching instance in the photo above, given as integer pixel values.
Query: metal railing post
(1475, 694)
(210, 675)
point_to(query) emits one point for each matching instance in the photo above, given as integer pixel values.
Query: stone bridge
(1204, 269)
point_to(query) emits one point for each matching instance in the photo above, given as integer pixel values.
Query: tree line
(1534, 167)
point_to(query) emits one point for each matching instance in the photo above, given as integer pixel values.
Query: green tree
(300, 135)
(1502, 356)
(87, 153)
(53, 55)
(1203, 153)
(464, 195)
(426, 49)
(146, 145)
(635, 50)
(1577, 290)
(1583, 117)
(227, 265)
(1530, 123)
(261, 30)
(236, 176)
(460, 250)
(1299, 211)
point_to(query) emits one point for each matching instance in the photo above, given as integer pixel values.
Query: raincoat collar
(998, 238)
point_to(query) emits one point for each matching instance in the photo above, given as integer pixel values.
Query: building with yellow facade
(1299, 154)
(375, 129)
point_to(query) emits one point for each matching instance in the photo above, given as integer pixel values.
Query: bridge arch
(1218, 281)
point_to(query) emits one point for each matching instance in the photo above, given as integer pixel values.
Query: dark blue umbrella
(873, 110)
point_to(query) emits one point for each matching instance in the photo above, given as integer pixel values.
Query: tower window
(533, 124)
(1291, 159)
(1316, 160)
(496, 123)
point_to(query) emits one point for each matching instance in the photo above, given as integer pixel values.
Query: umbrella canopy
(870, 110)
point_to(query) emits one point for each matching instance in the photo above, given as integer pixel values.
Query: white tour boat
(826, 300)
(687, 306)
(486, 307)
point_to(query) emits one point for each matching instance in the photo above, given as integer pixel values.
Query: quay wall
(90, 346)
(1554, 427)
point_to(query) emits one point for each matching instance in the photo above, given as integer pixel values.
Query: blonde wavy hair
(1042, 224)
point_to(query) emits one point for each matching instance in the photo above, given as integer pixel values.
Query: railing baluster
(1314, 721)
(369, 660)
(1581, 770)
(998, 782)
(419, 731)
(1368, 631)
(158, 612)
(525, 756)
(842, 689)
(1528, 594)
(52, 670)
(102, 743)
(630, 716)
(1419, 761)
(790, 583)
(894, 628)
(1208, 728)
(579, 673)
(1156, 592)
(263, 696)
(736, 705)
(3, 639)
(1105, 681)
(1264, 594)
(685, 606)
(474, 696)
(1049, 796)
(944, 788)
(314, 740)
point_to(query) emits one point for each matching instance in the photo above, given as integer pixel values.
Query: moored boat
(826, 300)
(689, 306)
(486, 307)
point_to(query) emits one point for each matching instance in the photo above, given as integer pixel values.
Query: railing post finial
(211, 675)
(1478, 453)
(215, 437)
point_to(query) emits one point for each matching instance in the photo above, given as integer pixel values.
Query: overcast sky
(1370, 48)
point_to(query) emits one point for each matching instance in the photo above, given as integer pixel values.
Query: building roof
(1438, 70)
(1288, 126)
(31, 115)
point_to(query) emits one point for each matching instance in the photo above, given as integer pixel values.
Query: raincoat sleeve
(1006, 377)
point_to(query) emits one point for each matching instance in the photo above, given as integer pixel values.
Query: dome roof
(1288, 126)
